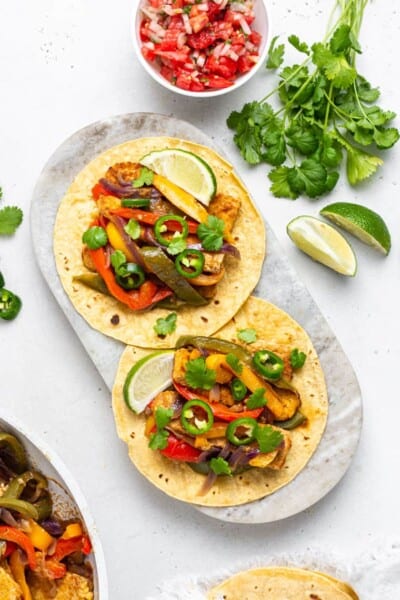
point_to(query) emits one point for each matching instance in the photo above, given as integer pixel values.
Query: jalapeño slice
(197, 417)
(238, 389)
(241, 431)
(268, 364)
(189, 263)
(161, 227)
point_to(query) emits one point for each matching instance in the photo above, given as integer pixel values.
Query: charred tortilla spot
(115, 319)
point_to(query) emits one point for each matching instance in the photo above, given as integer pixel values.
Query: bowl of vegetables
(200, 49)
(48, 542)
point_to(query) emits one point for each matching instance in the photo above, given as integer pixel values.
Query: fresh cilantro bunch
(328, 112)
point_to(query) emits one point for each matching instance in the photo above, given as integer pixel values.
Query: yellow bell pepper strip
(217, 363)
(72, 530)
(12, 534)
(179, 198)
(117, 242)
(18, 572)
(145, 296)
(39, 537)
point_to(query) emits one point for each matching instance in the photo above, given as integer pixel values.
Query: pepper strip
(145, 296)
(180, 450)
(12, 534)
(150, 218)
(64, 547)
(18, 571)
(220, 411)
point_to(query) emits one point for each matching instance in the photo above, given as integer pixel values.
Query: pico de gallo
(41, 555)
(227, 409)
(200, 45)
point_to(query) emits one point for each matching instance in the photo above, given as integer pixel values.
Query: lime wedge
(149, 376)
(360, 221)
(323, 243)
(185, 169)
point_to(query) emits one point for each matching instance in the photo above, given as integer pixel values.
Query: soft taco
(282, 582)
(131, 246)
(225, 420)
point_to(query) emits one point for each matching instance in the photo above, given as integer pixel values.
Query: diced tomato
(233, 17)
(222, 30)
(216, 82)
(201, 40)
(168, 73)
(184, 80)
(223, 66)
(244, 64)
(177, 56)
(198, 22)
(170, 40)
(255, 38)
(214, 11)
(156, 3)
(196, 85)
(148, 54)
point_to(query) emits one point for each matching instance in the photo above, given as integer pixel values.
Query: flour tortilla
(77, 210)
(274, 327)
(278, 583)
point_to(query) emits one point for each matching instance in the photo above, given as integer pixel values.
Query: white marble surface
(66, 64)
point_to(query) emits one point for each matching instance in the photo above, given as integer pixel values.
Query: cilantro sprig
(165, 325)
(159, 439)
(198, 375)
(145, 178)
(211, 233)
(328, 112)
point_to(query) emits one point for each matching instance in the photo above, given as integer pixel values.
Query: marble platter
(334, 454)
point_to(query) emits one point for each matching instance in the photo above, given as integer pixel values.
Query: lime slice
(149, 376)
(323, 243)
(360, 221)
(185, 169)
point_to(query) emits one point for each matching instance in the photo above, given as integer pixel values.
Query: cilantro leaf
(268, 438)
(331, 152)
(360, 165)
(336, 67)
(273, 137)
(132, 228)
(165, 326)
(159, 440)
(342, 40)
(220, 466)
(211, 233)
(280, 185)
(275, 54)
(257, 399)
(95, 237)
(10, 218)
(163, 416)
(176, 245)
(296, 43)
(297, 358)
(145, 178)
(248, 124)
(198, 376)
(386, 137)
(310, 177)
(248, 336)
(365, 91)
(303, 138)
(234, 363)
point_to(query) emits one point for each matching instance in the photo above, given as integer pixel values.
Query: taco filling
(152, 243)
(227, 409)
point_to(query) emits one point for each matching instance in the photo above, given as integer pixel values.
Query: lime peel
(185, 169)
(323, 243)
(148, 377)
(360, 221)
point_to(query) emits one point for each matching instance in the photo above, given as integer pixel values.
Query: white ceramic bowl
(65, 493)
(261, 24)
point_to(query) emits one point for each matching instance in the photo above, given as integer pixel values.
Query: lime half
(360, 221)
(323, 243)
(149, 376)
(185, 169)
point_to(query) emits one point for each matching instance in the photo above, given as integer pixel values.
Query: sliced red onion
(225, 249)
(215, 393)
(52, 527)
(121, 191)
(8, 518)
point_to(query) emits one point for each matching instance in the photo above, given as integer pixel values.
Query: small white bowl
(260, 24)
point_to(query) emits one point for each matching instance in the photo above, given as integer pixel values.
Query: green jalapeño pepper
(241, 431)
(135, 202)
(197, 417)
(268, 364)
(161, 227)
(10, 305)
(130, 276)
(2, 282)
(238, 389)
(189, 263)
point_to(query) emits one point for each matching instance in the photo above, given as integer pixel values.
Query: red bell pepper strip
(220, 411)
(180, 450)
(64, 547)
(99, 190)
(12, 534)
(10, 547)
(54, 569)
(145, 296)
(150, 218)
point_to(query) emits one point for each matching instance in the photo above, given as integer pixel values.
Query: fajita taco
(282, 582)
(131, 246)
(233, 418)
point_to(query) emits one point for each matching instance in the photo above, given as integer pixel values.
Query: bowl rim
(8, 420)
(188, 93)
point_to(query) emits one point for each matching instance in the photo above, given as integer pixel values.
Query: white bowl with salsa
(201, 48)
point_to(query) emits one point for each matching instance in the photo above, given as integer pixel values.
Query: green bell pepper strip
(135, 202)
(190, 263)
(130, 276)
(197, 417)
(297, 419)
(17, 486)
(215, 344)
(158, 263)
(161, 227)
(93, 281)
(10, 305)
(238, 389)
(241, 431)
(25, 509)
(15, 450)
(2, 282)
(268, 364)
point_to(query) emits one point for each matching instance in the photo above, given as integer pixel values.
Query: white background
(66, 63)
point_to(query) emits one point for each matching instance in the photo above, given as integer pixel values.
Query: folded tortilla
(78, 209)
(274, 328)
(278, 583)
